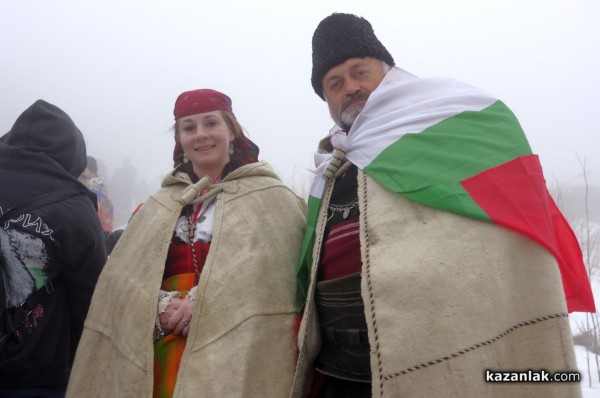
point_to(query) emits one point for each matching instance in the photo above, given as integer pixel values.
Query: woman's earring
(231, 147)
(185, 159)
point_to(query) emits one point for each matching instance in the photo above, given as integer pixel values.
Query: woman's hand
(177, 316)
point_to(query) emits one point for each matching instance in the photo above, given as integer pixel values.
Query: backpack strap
(35, 297)
(40, 201)
(21, 312)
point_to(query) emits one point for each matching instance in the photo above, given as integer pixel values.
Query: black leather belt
(345, 337)
(345, 351)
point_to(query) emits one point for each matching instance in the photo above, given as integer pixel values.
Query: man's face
(347, 86)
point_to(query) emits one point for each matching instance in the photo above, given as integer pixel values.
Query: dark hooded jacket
(62, 242)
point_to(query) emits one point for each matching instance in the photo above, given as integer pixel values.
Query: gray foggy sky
(116, 68)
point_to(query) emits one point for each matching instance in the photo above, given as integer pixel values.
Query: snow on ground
(594, 390)
(579, 322)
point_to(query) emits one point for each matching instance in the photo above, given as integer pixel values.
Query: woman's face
(205, 139)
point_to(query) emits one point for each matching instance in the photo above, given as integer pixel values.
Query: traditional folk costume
(105, 206)
(241, 339)
(233, 244)
(464, 259)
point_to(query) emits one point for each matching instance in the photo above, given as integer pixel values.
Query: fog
(116, 68)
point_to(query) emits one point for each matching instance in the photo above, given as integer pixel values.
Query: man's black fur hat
(340, 37)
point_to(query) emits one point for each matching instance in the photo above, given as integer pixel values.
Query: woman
(199, 296)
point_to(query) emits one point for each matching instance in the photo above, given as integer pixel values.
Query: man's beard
(347, 117)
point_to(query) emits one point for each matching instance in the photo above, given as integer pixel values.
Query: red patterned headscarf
(201, 101)
(206, 100)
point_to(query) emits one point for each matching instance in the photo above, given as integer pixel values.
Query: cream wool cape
(447, 297)
(242, 340)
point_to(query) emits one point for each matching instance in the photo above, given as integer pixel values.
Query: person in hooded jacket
(59, 245)
(198, 297)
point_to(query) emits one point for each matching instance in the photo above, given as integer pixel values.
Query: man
(52, 255)
(433, 252)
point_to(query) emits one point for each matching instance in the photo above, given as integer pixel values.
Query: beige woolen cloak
(447, 297)
(242, 341)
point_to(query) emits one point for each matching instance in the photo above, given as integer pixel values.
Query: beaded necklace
(192, 220)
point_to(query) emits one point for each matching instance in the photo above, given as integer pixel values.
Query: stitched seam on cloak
(363, 216)
(475, 346)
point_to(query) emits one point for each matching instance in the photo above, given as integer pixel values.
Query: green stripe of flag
(429, 166)
(303, 272)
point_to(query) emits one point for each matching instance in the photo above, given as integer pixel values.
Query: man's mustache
(361, 95)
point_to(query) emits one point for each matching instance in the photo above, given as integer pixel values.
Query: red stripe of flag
(514, 195)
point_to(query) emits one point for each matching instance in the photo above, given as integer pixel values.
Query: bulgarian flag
(451, 146)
